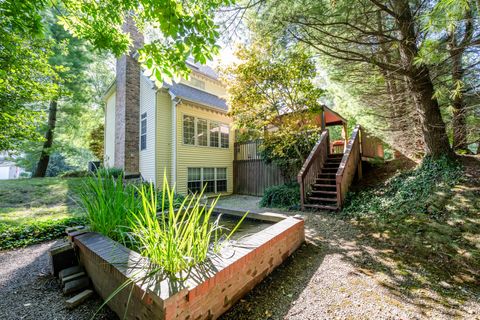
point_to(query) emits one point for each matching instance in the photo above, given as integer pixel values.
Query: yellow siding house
(184, 131)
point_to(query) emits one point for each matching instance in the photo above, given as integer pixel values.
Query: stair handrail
(351, 161)
(312, 166)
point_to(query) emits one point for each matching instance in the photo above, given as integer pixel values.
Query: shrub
(177, 200)
(148, 222)
(282, 196)
(75, 174)
(13, 236)
(408, 192)
(110, 172)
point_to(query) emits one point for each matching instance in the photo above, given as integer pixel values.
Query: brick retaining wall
(208, 291)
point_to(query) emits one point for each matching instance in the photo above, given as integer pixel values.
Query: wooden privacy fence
(251, 175)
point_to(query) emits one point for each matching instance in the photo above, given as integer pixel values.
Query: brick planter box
(206, 292)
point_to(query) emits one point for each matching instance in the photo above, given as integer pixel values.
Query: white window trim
(146, 128)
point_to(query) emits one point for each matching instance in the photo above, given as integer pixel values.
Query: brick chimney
(127, 103)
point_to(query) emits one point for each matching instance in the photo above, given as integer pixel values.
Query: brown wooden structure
(252, 175)
(327, 173)
(326, 177)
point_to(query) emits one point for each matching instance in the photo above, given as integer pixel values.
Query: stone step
(78, 299)
(62, 257)
(72, 277)
(76, 285)
(69, 271)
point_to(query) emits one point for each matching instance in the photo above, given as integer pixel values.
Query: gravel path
(338, 275)
(28, 291)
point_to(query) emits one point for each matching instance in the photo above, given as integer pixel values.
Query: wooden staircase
(325, 178)
(323, 193)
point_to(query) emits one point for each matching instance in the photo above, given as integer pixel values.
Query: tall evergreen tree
(378, 37)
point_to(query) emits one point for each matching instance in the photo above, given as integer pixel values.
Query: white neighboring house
(8, 168)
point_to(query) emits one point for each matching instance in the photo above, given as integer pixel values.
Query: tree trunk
(420, 84)
(42, 164)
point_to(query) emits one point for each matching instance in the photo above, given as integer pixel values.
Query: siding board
(147, 105)
(189, 156)
(109, 150)
(164, 137)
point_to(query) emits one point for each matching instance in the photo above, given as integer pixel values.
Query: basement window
(194, 183)
(214, 180)
(209, 180)
(143, 131)
(221, 181)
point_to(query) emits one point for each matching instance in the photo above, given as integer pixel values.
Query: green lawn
(35, 210)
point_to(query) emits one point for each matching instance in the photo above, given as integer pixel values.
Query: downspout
(175, 101)
(155, 149)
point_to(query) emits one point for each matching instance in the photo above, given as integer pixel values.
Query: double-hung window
(214, 180)
(194, 180)
(224, 136)
(214, 134)
(143, 131)
(202, 132)
(188, 129)
(221, 180)
(208, 180)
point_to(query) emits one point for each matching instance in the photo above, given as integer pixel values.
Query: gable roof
(197, 96)
(203, 69)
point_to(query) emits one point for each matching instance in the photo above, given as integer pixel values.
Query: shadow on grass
(36, 210)
(431, 257)
(428, 262)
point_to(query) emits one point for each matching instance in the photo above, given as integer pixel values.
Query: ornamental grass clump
(176, 239)
(108, 203)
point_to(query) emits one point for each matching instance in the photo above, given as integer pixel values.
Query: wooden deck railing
(337, 146)
(312, 166)
(351, 162)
